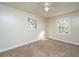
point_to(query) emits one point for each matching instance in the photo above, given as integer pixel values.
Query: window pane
(63, 26)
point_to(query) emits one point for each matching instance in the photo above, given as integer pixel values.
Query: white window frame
(60, 21)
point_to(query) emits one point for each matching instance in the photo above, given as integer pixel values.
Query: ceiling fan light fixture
(46, 9)
(46, 6)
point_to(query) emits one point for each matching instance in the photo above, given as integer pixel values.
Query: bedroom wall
(73, 37)
(14, 29)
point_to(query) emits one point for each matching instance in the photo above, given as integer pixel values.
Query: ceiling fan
(48, 6)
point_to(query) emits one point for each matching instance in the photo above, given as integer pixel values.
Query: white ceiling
(56, 8)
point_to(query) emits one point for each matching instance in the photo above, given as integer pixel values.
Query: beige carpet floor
(44, 48)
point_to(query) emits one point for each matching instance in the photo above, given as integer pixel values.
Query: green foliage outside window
(63, 26)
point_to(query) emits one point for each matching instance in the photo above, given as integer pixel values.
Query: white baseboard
(73, 43)
(16, 46)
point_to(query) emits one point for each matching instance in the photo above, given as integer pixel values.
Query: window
(32, 23)
(63, 26)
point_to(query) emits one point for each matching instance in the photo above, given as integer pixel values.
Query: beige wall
(74, 28)
(14, 27)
